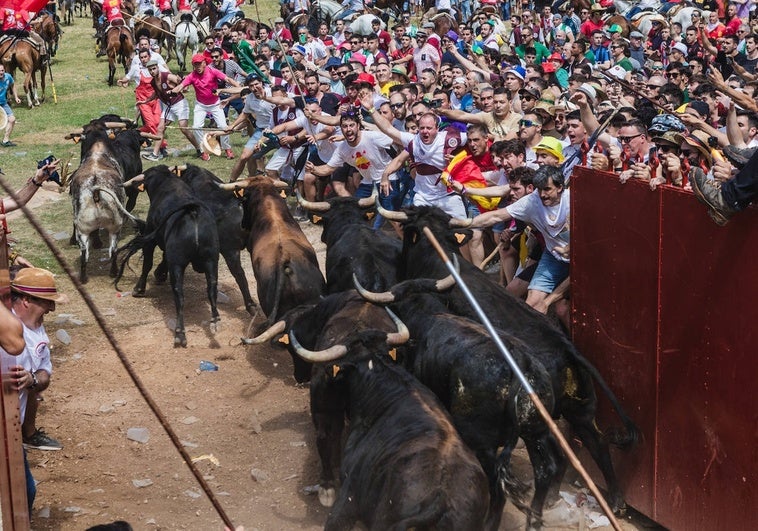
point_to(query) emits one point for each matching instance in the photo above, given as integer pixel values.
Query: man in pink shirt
(204, 78)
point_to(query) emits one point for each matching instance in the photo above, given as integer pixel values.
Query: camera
(55, 176)
(435, 104)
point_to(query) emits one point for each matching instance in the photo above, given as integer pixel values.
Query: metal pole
(524, 382)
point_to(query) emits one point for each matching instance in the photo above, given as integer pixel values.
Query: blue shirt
(5, 84)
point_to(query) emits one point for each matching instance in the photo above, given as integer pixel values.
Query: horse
(48, 30)
(207, 16)
(80, 6)
(119, 46)
(67, 11)
(248, 26)
(186, 38)
(157, 30)
(20, 53)
(96, 9)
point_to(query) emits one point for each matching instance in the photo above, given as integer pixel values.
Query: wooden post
(14, 511)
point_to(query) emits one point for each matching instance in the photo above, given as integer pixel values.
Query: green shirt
(542, 52)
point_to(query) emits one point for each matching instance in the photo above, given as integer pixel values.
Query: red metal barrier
(664, 304)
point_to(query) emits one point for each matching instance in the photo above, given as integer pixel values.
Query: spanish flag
(464, 170)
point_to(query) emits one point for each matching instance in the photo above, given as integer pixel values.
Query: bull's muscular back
(284, 262)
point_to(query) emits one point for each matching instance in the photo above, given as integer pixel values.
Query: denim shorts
(549, 274)
(365, 190)
(253, 140)
(7, 109)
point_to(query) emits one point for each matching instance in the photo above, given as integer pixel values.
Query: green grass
(82, 94)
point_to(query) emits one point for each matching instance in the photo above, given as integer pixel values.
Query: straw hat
(38, 283)
(211, 145)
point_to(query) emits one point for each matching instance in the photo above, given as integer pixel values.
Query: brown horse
(119, 46)
(247, 26)
(207, 10)
(21, 54)
(48, 29)
(157, 30)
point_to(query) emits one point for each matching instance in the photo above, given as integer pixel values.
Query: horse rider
(15, 23)
(228, 10)
(112, 17)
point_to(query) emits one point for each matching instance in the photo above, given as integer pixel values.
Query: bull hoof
(180, 339)
(138, 292)
(327, 497)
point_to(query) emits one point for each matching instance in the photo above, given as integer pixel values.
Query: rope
(120, 353)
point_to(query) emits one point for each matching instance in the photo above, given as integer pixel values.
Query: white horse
(186, 38)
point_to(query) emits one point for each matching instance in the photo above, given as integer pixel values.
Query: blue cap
(518, 71)
(333, 62)
(299, 49)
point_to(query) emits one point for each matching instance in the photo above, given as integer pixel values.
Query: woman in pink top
(204, 79)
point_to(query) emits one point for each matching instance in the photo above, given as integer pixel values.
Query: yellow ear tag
(239, 193)
(141, 187)
(76, 139)
(111, 136)
(283, 194)
(285, 339)
(370, 215)
(459, 237)
(317, 219)
(335, 370)
(393, 354)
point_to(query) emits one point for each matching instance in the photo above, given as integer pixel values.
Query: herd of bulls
(416, 413)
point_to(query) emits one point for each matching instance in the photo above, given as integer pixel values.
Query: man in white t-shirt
(427, 150)
(260, 110)
(366, 151)
(547, 210)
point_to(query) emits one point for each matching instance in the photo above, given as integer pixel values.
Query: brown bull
(284, 262)
(20, 53)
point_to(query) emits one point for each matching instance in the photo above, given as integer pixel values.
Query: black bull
(403, 463)
(185, 229)
(572, 375)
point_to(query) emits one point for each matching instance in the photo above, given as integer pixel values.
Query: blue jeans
(225, 18)
(31, 488)
(405, 186)
(387, 201)
(344, 14)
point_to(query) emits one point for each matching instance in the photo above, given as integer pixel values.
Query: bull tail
(614, 436)
(97, 190)
(130, 249)
(280, 278)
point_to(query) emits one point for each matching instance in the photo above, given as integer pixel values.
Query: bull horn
(313, 206)
(235, 185)
(268, 334)
(150, 136)
(461, 222)
(75, 133)
(390, 214)
(136, 179)
(321, 356)
(377, 298)
(367, 202)
(402, 335)
(114, 125)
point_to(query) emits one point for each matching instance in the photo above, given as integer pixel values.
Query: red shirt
(588, 27)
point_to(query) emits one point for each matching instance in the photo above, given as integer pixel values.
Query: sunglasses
(627, 139)
(396, 105)
(686, 152)
(653, 87)
(527, 123)
(527, 97)
(343, 72)
(674, 74)
(355, 42)
(668, 149)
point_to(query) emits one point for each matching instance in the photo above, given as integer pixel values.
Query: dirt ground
(247, 424)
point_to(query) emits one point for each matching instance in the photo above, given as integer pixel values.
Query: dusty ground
(248, 415)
